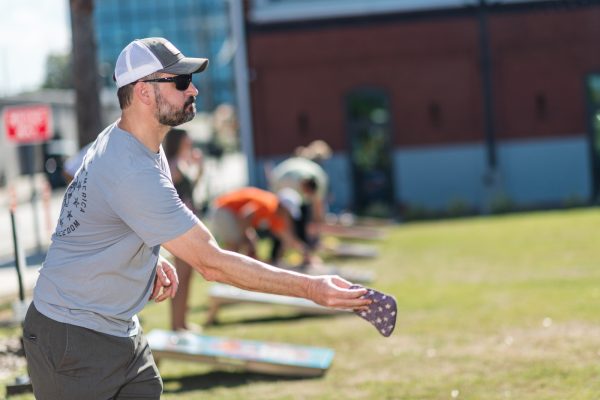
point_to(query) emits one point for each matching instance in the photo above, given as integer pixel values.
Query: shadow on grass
(215, 379)
(271, 319)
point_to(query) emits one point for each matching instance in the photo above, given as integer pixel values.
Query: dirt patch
(12, 359)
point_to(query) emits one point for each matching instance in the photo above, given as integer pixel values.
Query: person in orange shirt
(237, 215)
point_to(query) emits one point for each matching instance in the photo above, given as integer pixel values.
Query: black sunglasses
(182, 82)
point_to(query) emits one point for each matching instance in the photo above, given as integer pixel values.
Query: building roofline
(259, 21)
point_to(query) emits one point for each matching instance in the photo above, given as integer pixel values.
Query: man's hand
(166, 280)
(332, 291)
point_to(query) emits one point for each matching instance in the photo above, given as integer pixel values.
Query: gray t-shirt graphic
(100, 267)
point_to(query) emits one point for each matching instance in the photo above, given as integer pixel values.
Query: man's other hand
(166, 280)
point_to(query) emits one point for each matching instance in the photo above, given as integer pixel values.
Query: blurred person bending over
(237, 215)
(186, 167)
(82, 337)
(304, 174)
(307, 195)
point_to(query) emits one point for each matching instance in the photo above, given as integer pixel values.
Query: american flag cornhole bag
(382, 311)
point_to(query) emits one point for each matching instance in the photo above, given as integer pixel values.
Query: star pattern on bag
(381, 312)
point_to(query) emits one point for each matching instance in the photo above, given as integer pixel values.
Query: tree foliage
(58, 72)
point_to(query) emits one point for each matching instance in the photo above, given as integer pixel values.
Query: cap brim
(186, 65)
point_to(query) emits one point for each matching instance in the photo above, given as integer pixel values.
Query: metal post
(486, 74)
(236, 15)
(22, 384)
(19, 257)
(36, 219)
(491, 178)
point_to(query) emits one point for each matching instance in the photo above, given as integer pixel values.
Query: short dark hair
(125, 93)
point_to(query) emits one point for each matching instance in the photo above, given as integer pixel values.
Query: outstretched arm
(198, 248)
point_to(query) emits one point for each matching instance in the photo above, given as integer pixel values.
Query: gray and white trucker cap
(143, 57)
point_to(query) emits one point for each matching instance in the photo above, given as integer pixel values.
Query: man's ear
(143, 92)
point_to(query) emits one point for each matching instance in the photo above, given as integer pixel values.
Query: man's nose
(193, 88)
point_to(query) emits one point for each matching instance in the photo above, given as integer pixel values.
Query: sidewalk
(220, 176)
(47, 210)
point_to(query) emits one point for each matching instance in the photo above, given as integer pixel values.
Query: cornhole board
(220, 295)
(352, 232)
(349, 219)
(347, 250)
(255, 356)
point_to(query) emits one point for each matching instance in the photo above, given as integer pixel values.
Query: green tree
(58, 72)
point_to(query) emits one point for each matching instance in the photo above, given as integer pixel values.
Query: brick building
(432, 105)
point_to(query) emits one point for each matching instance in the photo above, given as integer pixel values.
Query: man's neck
(147, 130)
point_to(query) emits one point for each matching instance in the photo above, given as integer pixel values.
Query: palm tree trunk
(85, 71)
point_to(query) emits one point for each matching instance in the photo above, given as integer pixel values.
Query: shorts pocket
(45, 334)
(76, 360)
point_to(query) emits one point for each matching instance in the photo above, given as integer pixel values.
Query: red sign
(28, 124)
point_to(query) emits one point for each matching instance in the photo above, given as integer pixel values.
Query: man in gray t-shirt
(81, 334)
(123, 197)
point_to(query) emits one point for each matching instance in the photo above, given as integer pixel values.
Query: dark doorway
(593, 92)
(369, 130)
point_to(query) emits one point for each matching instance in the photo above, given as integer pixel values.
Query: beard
(168, 114)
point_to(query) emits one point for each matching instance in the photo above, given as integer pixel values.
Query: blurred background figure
(225, 125)
(186, 164)
(224, 135)
(304, 174)
(237, 215)
(316, 151)
(55, 152)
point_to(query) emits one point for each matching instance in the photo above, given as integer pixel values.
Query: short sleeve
(148, 203)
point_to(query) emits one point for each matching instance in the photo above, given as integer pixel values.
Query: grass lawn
(502, 307)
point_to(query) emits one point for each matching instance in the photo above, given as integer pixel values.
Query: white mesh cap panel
(135, 61)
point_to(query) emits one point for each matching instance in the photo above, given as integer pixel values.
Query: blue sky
(29, 31)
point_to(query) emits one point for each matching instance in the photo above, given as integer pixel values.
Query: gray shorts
(70, 362)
